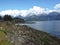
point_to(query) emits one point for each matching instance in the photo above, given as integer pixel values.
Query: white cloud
(23, 12)
(34, 10)
(9, 12)
(57, 6)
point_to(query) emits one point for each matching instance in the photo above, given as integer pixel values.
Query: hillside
(44, 17)
(24, 35)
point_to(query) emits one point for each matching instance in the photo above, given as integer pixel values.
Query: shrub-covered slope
(24, 35)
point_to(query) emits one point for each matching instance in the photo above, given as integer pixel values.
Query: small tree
(0, 18)
(7, 18)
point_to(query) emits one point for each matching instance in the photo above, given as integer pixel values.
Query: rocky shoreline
(24, 35)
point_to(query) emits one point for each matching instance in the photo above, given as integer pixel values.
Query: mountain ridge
(44, 17)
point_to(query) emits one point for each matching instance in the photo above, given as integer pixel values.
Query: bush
(7, 18)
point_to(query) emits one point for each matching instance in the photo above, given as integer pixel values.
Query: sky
(25, 7)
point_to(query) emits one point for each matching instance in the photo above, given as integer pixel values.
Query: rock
(27, 36)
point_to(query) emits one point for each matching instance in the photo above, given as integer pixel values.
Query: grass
(6, 31)
(3, 40)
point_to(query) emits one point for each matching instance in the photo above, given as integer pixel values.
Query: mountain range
(42, 17)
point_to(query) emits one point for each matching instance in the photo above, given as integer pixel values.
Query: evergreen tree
(0, 17)
(7, 18)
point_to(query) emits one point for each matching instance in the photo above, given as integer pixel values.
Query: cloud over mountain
(34, 10)
(57, 6)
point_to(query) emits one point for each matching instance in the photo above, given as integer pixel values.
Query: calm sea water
(52, 27)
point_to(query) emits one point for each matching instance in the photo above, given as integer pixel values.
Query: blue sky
(23, 7)
(26, 4)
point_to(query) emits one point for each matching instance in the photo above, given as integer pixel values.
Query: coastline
(24, 35)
